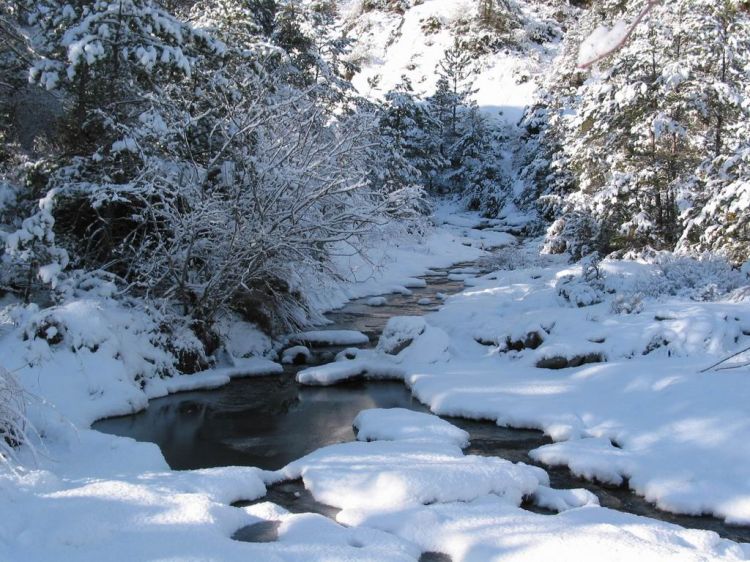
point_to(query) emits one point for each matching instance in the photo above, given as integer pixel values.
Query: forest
(531, 212)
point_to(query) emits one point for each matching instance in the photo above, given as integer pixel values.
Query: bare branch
(650, 4)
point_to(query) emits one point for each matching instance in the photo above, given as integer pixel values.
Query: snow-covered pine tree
(307, 32)
(449, 106)
(240, 23)
(412, 137)
(98, 50)
(635, 131)
(480, 175)
(716, 210)
(721, 224)
(454, 87)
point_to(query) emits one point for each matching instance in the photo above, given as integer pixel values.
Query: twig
(725, 360)
(646, 9)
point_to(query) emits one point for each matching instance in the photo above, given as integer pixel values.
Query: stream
(268, 422)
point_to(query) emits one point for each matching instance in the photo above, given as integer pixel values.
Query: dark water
(265, 422)
(270, 421)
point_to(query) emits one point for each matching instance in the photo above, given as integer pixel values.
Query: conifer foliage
(646, 150)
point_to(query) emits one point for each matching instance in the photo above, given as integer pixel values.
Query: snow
(400, 331)
(488, 528)
(90, 496)
(393, 261)
(243, 339)
(377, 301)
(642, 414)
(646, 415)
(405, 486)
(332, 373)
(366, 479)
(331, 337)
(296, 354)
(602, 41)
(390, 46)
(563, 500)
(419, 487)
(98, 497)
(399, 424)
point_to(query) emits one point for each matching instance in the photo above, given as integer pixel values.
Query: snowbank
(430, 495)
(642, 413)
(399, 424)
(421, 463)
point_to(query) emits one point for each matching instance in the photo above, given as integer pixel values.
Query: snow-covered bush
(630, 303)
(243, 162)
(14, 426)
(586, 289)
(698, 279)
(578, 291)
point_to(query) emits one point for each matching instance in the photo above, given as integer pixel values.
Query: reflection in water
(265, 422)
(271, 421)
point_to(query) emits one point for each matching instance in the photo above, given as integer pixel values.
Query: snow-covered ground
(608, 364)
(643, 412)
(83, 495)
(406, 487)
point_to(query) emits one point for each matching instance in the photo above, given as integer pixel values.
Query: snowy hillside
(390, 45)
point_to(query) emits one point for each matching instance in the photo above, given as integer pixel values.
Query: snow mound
(370, 367)
(415, 283)
(399, 332)
(399, 424)
(563, 500)
(296, 355)
(490, 528)
(366, 478)
(331, 337)
(593, 458)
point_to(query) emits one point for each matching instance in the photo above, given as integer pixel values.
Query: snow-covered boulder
(399, 333)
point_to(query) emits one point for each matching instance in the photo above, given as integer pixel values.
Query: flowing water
(270, 421)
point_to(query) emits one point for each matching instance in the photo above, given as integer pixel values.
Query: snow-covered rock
(296, 355)
(400, 332)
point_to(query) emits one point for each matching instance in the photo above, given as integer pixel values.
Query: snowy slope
(389, 45)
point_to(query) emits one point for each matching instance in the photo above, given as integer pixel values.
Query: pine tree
(409, 128)
(642, 125)
(479, 175)
(241, 23)
(96, 48)
(454, 86)
(721, 224)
